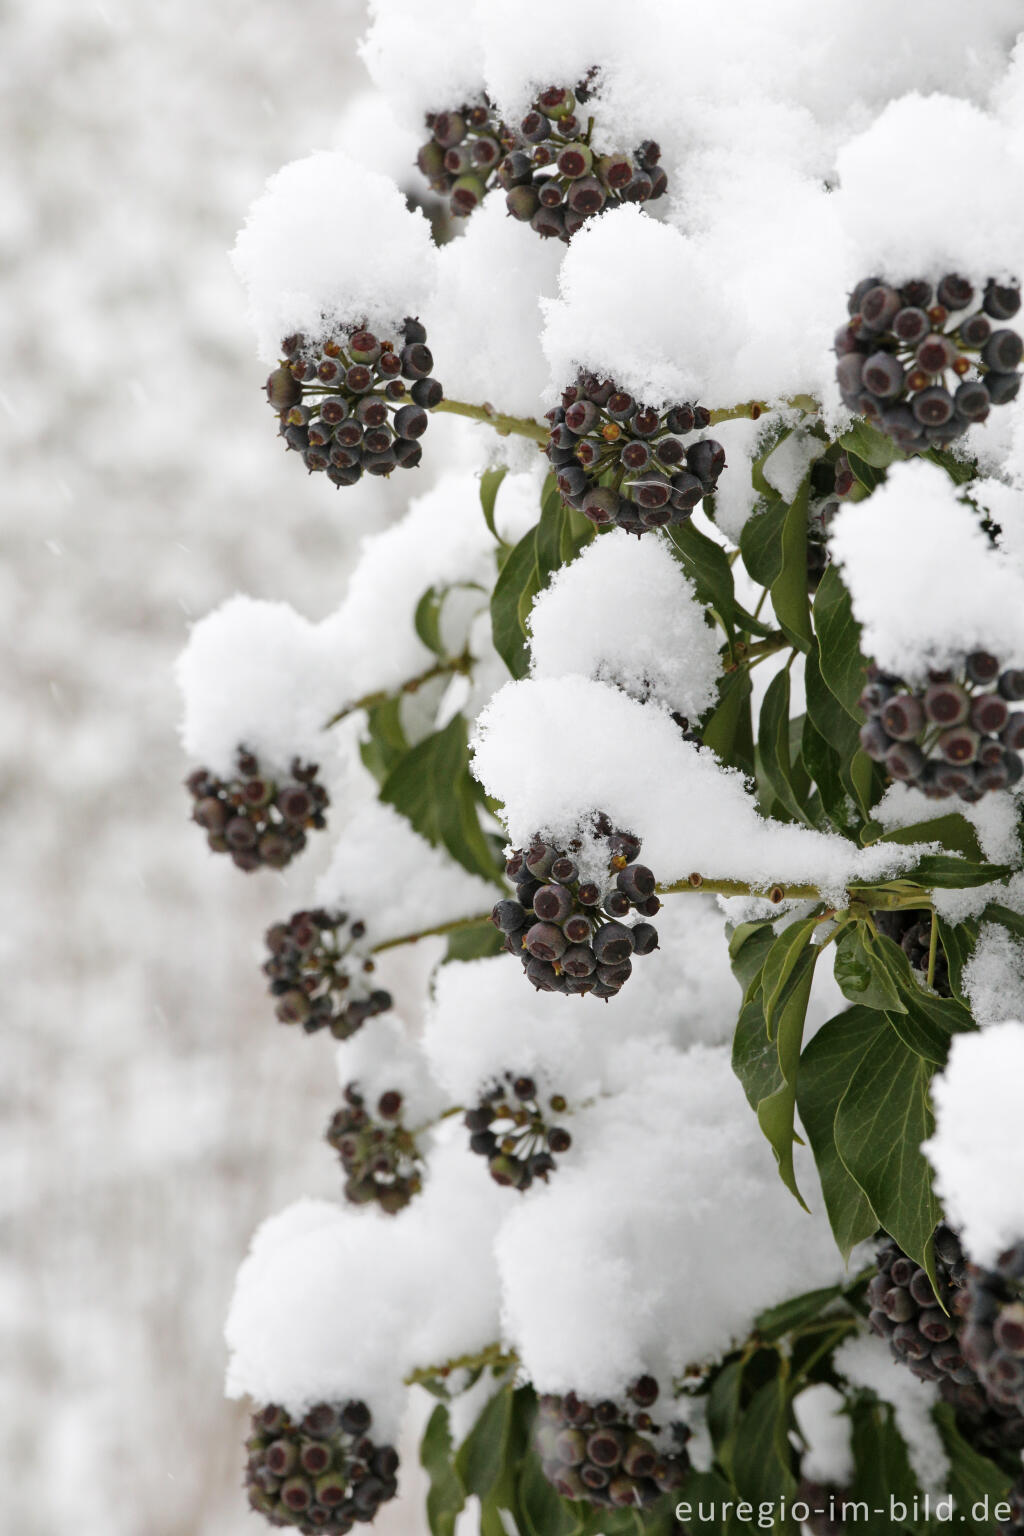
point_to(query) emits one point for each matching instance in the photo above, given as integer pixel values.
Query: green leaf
(840, 660)
(446, 1497)
(789, 589)
(773, 746)
(761, 542)
(480, 1459)
(479, 942)
(782, 960)
(882, 1119)
(517, 584)
(973, 1478)
(543, 1512)
(427, 619)
(1012, 921)
(760, 1469)
(386, 741)
(827, 1065)
(431, 786)
(728, 731)
(868, 477)
(823, 764)
(871, 445)
(960, 471)
(958, 943)
(953, 832)
(776, 1114)
(924, 1022)
(707, 565)
(549, 531)
(783, 1319)
(490, 484)
(749, 944)
(701, 1498)
(949, 872)
(755, 1057)
(881, 1471)
(859, 776)
(862, 976)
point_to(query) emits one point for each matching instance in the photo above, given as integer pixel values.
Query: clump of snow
(625, 612)
(384, 873)
(383, 1057)
(692, 814)
(423, 58)
(253, 673)
(994, 975)
(329, 1303)
(900, 225)
(369, 131)
(657, 1245)
(517, 505)
(925, 582)
(977, 1151)
(867, 1362)
(820, 1413)
(786, 466)
(484, 317)
(994, 818)
(329, 244)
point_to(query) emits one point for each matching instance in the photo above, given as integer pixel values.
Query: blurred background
(152, 1114)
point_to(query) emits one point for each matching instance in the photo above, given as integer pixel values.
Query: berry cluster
(380, 1157)
(921, 1327)
(913, 932)
(987, 1426)
(551, 177)
(925, 363)
(355, 404)
(831, 480)
(624, 463)
(322, 1474)
(567, 929)
(318, 969)
(993, 1331)
(509, 1129)
(600, 1453)
(260, 823)
(955, 736)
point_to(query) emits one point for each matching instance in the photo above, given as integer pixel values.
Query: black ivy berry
(513, 1129)
(924, 364)
(623, 463)
(993, 1332)
(566, 927)
(355, 404)
(260, 821)
(321, 973)
(922, 1328)
(379, 1155)
(322, 1473)
(957, 735)
(552, 178)
(610, 1453)
(912, 932)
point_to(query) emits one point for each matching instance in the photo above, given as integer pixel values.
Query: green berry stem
(455, 926)
(769, 646)
(752, 409)
(493, 1355)
(505, 426)
(443, 668)
(933, 947)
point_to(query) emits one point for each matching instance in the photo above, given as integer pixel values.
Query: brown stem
(443, 668)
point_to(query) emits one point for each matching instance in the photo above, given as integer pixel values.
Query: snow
(303, 253)
(327, 1305)
(827, 1435)
(976, 1149)
(423, 59)
(634, 1222)
(625, 612)
(385, 1058)
(925, 583)
(994, 975)
(692, 814)
(867, 1362)
(994, 818)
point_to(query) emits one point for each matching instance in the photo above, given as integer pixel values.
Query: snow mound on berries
(387, 1059)
(994, 975)
(543, 742)
(253, 673)
(441, 542)
(483, 319)
(827, 1433)
(329, 1302)
(868, 1362)
(900, 224)
(424, 58)
(384, 873)
(925, 582)
(625, 612)
(662, 1238)
(977, 1151)
(485, 1018)
(331, 243)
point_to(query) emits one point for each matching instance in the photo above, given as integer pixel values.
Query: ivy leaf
(755, 1057)
(386, 741)
(431, 786)
(749, 944)
(543, 1512)
(773, 747)
(861, 975)
(446, 1496)
(953, 832)
(760, 1470)
(868, 477)
(761, 542)
(783, 1319)
(427, 619)
(858, 775)
(776, 1113)
(827, 1065)
(782, 959)
(517, 584)
(958, 943)
(924, 1022)
(882, 1471)
(728, 730)
(871, 445)
(789, 589)
(951, 873)
(707, 565)
(839, 655)
(481, 1458)
(478, 942)
(549, 531)
(490, 484)
(1012, 921)
(882, 1119)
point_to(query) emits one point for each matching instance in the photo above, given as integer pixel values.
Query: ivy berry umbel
(624, 464)
(355, 403)
(921, 1327)
(509, 1127)
(924, 363)
(567, 928)
(379, 1155)
(993, 1333)
(552, 178)
(608, 1453)
(260, 822)
(321, 1474)
(321, 973)
(955, 735)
